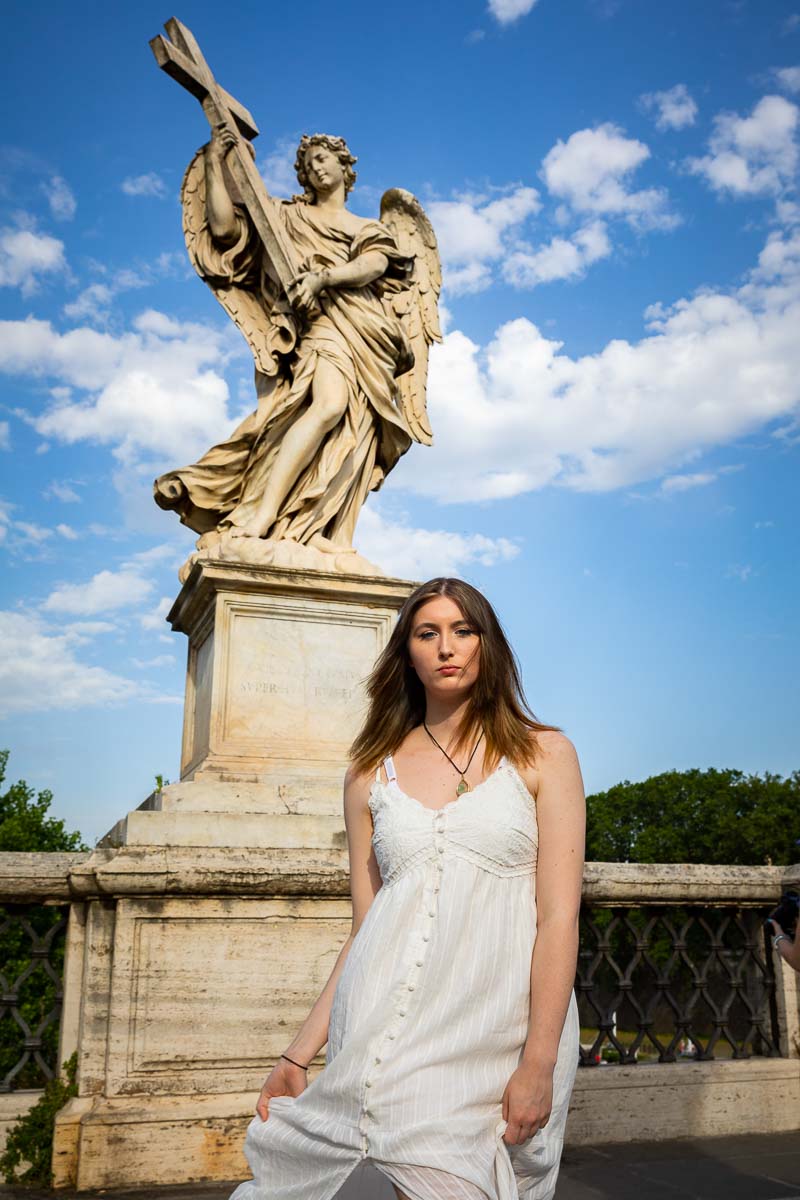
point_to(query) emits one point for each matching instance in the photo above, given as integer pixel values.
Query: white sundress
(429, 1016)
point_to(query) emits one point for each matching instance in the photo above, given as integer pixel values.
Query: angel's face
(323, 169)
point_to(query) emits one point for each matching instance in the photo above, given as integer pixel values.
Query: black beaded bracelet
(296, 1064)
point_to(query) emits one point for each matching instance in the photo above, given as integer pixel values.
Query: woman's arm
(787, 947)
(561, 816)
(365, 882)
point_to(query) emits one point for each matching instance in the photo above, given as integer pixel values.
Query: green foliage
(30, 1141)
(24, 823)
(26, 826)
(697, 817)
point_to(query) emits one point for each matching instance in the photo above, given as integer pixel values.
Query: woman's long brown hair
(496, 702)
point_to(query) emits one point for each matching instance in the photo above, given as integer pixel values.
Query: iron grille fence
(661, 983)
(31, 964)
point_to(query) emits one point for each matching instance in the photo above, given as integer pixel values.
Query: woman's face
(323, 169)
(444, 648)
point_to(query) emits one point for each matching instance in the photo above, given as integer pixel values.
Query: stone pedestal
(274, 697)
(208, 920)
(276, 663)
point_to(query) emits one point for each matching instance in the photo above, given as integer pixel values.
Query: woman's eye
(466, 632)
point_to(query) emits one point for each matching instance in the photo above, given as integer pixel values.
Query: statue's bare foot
(253, 529)
(320, 542)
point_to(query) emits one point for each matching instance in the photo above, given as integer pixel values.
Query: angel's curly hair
(337, 146)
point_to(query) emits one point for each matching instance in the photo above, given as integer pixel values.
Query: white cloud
(471, 228)
(67, 532)
(522, 414)
(92, 302)
(560, 258)
(157, 618)
(472, 277)
(506, 11)
(5, 435)
(788, 78)
(471, 232)
(674, 108)
(104, 592)
(422, 553)
(160, 660)
(81, 632)
(108, 591)
(153, 390)
(277, 168)
(39, 670)
(684, 483)
(149, 184)
(753, 155)
(29, 532)
(592, 170)
(62, 491)
(60, 198)
(26, 255)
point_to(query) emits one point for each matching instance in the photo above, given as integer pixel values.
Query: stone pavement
(749, 1167)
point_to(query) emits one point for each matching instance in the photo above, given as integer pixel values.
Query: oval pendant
(462, 787)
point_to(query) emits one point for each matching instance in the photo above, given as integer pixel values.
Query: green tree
(26, 826)
(697, 817)
(24, 823)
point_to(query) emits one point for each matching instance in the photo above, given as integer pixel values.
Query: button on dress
(429, 1016)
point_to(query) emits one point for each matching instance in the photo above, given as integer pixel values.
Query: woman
(450, 1020)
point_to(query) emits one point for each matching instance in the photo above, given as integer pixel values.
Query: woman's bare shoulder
(357, 781)
(554, 746)
(552, 753)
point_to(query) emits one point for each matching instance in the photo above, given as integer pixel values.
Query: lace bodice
(493, 825)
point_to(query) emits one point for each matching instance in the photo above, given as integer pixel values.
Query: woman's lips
(448, 670)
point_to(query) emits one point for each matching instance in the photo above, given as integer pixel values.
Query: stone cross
(181, 57)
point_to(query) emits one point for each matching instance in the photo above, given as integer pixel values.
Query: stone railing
(674, 971)
(675, 962)
(34, 910)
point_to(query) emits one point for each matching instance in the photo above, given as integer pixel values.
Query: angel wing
(232, 274)
(417, 304)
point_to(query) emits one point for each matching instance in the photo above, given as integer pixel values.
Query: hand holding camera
(783, 922)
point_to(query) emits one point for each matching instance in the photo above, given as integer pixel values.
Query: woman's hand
(305, 287)
(285, 1079)
(788, 948)
(527, 1102)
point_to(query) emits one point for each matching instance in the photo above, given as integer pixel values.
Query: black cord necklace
(462, 785)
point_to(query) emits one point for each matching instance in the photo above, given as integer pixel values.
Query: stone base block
(253, 830)
(124, 1141)
(131, 1141)
(683, 1100)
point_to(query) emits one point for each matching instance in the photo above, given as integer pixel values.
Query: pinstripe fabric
(429, 1017)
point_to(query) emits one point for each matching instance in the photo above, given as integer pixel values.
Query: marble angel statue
(341, 357)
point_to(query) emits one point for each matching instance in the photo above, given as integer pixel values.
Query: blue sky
(615, 405)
